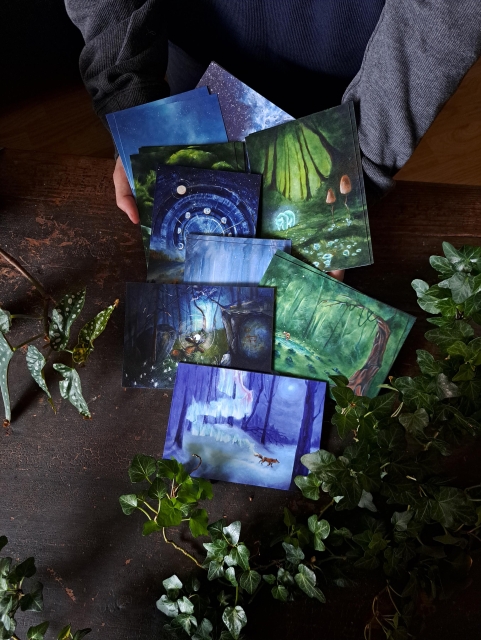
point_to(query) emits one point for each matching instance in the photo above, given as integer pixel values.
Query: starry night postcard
(313, 189)
(194, 121)
(244, 110)
(201, 201)
(166, 324)
(227, 156)
(250, 428)
(224, 260)
(324, 327)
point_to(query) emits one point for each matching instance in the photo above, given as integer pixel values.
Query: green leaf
(128, 503)
(232, 532)
(198, 523)
(157, 489)
(453, 256)
(445, 388)
(442, 265)
(309, 485)
(320, 529)
(400, 520)
(269, 578)
(186, 621)
(25, 569)
(203, 630)
(64, 634)
(215, 570)
(141, 468)
(306, 580)
(460, 285)
(5, 321)
(465, 372)
(234, 619)
(35, 364)
(185, 605)
(345, 423)
(216, 530)
(216, 550)
(63, 316)
(229, 574)
(33, 601)
(205, 488)
(450, 508)
(169, 514)
(6, 354)
(285, 577)
(90, 332)
(280, 593)
(78, 635)
(343, 396)
(444, 337)
(413, 393)
(241, 556)
(149, 527)
(294, 555)
(382, 405)
(316, 461)
(37, 632)
(420, 287)
(3, 542)
(250, 580)
(366, 501)
(71, 389)
(289, 518)
(472, 305)
(415, 423)
(340, 380)
(428, 365)
(167, 468)
(172, 584)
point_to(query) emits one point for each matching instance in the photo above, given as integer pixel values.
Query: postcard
(250, 428)
(313, 189)
(224, 260)
(324, 327)
(227, 156)
(194, 121)
(244, 110)
(166, 324)
(200, 201)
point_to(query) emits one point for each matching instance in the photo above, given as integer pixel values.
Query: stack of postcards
(228, 186)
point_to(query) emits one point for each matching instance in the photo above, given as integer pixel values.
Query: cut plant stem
(39, 335)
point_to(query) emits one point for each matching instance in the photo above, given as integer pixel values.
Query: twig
(14, 263)
(176, 546)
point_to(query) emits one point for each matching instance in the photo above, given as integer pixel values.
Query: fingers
(123, 193)
(338, 274)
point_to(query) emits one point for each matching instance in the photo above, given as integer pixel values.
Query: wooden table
(60, 477)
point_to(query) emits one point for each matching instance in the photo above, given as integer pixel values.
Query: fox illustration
(270, 461)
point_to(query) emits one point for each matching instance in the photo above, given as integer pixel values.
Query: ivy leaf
(6, 354)
(205, 489)
(428, 365)
(294, 555)
(186, 621)
(232, 532)
(400, 520)
(306, 580)
(366, 501)
(316, 461)
(5, 321)
(382, 405)
(420, 287)
(71, 389)
(472, 306)
(345, 423)
(141, 468)
(444, 337)
(172, 585)
(269, 578)
(309, 485)
(340, 380)
(415, 422)
(250, 580)
(90, 332)
(289, 518)
(241, 556)
(25, 569)
(215, 570)
(465, 372)
(165, 469)
(216, 530)
(35, 364)
(229, 574)
(445, 388)
(279, 592)
(442, 265)
(460, 285)
(157, 489)
(185, 605)
(37, 632)
(63, 316)
(320, 529)
(216, 550)
(452, 254)
(450, 508)
(343, 396)
(78, 635)
(128, 503)
(149, 527)
(33, 601)
(198, 523)
(203, 630)
(64, 634)
(234, 619)
(169, 514)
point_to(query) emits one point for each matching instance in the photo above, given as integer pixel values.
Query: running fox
(270, 461)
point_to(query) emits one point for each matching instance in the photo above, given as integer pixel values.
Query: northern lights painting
(194, 121)
(244, 110)
(313, 189)
(324, 327)
(199, 201)
(247, 427)
(224, 260)
(227, 156)
(167, 324)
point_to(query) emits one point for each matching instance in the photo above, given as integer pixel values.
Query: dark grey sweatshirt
(397, 60)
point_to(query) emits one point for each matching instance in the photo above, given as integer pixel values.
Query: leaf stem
(176, 546)
(23, 316)
(326, 507)
(16, 265)
(22, 344)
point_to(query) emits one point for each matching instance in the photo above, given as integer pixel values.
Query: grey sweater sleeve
(124, 59)
(415, 59)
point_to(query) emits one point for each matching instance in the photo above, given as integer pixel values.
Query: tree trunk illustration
(268, 413)
(361, 379)
(179, 436)
(305, 434)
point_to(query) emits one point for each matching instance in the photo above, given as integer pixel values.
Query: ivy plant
(14, 597)
(57, 320)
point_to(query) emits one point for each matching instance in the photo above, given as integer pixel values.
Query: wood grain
(61, 476)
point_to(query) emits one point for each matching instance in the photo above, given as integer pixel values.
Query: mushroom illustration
(331, 199)
(345, 188)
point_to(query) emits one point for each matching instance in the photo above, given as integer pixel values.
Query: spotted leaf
(6, 355)
(35, 364)
(5, 321)
(89, 332)
(63, 316)
(71, 389)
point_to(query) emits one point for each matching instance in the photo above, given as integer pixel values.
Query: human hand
(123, 193)
(338, 274)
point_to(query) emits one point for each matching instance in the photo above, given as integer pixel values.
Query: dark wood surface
(60, 476)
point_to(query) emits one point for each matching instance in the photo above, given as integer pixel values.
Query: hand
(338, 274)
(123, 193)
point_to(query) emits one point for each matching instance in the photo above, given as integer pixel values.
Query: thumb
(123, 193)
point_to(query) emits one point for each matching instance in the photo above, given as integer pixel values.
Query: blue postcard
(224, 260)
(201, 201)
(245, 111)
(195, 121)
(166, 324)
(250, 428)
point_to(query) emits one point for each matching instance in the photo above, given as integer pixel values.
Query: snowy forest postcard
(243, 109)
(250, 428)
(227, 156)
(224, 260)
(189, 200)
(167, 324)
(313, 190)
(324, 327)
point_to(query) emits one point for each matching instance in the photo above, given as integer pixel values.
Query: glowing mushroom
(345, 188)
(331, 199)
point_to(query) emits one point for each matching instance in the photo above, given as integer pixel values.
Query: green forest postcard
(313, 190)
(228, 156)
(324, 327)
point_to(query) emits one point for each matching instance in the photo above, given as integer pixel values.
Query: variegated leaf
(63, 316)
(6, 355)
(71, 389)
(35, 364)
(5, 321)
(89, 332)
